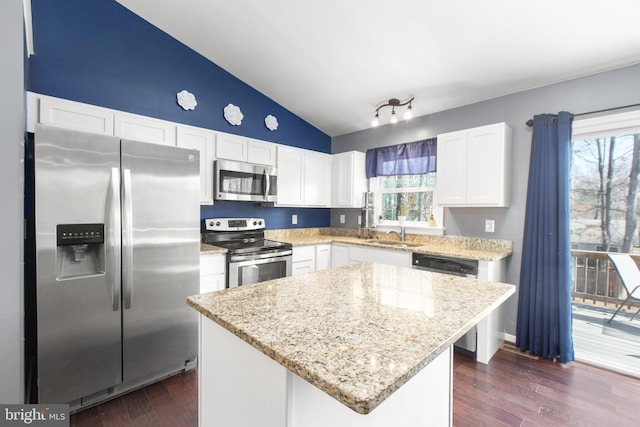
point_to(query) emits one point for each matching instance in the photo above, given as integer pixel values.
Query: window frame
(375, 185)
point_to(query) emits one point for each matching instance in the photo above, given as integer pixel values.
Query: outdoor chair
(630, 278)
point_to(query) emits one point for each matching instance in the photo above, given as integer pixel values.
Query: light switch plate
(294, 219)
(489, 225)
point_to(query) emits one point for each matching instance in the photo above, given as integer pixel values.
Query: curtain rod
(530, 121)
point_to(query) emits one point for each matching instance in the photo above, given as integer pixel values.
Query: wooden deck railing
(595, 279)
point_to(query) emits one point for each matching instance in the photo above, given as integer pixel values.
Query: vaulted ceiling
(332, 62)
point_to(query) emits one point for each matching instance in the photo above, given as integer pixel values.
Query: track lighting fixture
(393, 103)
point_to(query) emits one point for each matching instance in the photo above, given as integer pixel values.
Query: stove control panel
(233, 224)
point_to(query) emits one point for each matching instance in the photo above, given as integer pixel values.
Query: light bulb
(408, 114)
(375, 121)
(394, 118)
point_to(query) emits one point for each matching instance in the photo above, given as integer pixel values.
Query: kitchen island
(360, 345)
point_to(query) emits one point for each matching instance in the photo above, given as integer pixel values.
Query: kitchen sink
(394, 243)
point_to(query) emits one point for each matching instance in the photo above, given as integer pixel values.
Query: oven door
(247, 269)
(240, 181)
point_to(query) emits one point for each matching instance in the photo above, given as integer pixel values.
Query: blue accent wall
(275, 217)
(98, 52)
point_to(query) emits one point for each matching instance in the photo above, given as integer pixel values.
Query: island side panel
(238, 385)
(425, 400)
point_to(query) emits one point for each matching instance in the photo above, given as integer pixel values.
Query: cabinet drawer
(304, 253)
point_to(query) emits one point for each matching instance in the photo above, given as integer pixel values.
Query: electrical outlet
(489, 225)
(359, 219)
(294, 219)
(342, 220)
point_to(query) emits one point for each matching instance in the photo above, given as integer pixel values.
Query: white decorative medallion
(186, 100)
(233, 115)
(271, 122)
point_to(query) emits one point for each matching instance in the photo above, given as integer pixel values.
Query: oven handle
(260, 256)
(243, 263)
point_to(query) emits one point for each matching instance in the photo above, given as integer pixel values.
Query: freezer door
(77, 183)
(161, 248)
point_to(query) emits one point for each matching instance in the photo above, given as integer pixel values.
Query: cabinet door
(339, 255)
(231, 147)
(488, 163)
(317, 178)
(451, 179)
(202, 140)
(323, 257)
(212, 273)
(290, 176)
(381, 256)
(303, 260)
(348, 179)
(145, 129)
(261, 152)
(74, 115)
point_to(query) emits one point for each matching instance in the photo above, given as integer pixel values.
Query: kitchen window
(412, 196)
(403, 178)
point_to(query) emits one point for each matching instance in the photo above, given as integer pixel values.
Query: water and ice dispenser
(80, 250)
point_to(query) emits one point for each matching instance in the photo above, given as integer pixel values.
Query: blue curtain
(412, 158)
(544, 295)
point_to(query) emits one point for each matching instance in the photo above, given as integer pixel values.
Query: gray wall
(605, 90)
(11, 193)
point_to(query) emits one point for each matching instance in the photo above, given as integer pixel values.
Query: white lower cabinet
(380, 256)
(323, 257)
(212, 272)
(339, 255)
(304, 260)
(343, 254)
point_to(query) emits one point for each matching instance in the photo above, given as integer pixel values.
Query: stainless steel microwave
(241, 181)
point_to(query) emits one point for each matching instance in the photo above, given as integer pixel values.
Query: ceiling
(332, 62)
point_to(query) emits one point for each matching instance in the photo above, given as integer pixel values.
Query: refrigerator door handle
(127, 239)
(114, 217)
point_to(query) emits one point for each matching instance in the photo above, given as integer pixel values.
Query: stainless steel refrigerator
(117, 253)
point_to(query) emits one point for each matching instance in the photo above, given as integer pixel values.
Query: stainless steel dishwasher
(467, 344)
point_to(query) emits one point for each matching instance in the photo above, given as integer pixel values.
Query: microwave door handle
(267, 184)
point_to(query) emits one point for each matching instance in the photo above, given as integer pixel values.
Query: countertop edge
(476, 254)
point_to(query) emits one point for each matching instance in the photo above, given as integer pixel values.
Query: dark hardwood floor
(512, 390)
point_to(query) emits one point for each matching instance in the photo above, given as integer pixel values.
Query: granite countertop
(206, 249)
(450, 246)
(357, 332)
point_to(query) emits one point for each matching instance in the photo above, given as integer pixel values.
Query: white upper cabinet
(243, 149)
(303, 177)
(348, 179)
(317, 178)
(474, 167)
(290, 176)
(74, 115)
(145, 129)
(231, 147)
(202, 140)
(261, 152)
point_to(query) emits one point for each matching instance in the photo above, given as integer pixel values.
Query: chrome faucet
(401, 234)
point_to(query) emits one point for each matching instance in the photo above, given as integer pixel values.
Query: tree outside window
(604, 192)
(407, 195)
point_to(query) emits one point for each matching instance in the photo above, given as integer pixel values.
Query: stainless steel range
(250, 258)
